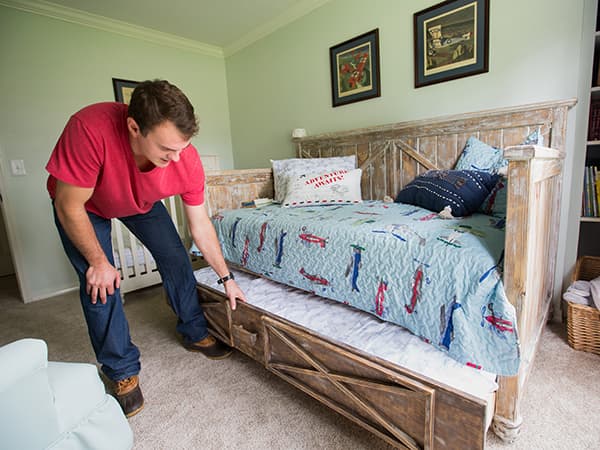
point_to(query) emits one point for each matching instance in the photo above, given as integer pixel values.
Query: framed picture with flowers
(355, 69)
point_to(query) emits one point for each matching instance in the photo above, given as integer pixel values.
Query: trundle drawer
(395, 404)
(399, 406)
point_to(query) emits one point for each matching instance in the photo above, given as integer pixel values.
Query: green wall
(249, 103)
(52, 68)
(539, 50)
(283, 81)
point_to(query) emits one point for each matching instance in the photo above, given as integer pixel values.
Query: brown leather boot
(209, 347)
(129, 395)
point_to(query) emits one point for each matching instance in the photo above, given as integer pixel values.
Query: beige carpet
(194, 403)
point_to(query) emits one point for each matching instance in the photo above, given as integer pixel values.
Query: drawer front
(396, 405)
(217, 313)
(241, 328)
(248, 331)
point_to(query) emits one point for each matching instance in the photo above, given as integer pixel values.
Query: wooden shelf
(588, 230)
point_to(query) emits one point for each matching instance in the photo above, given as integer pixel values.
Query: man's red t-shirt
(94, 152)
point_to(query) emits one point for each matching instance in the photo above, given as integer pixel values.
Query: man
(117, 161)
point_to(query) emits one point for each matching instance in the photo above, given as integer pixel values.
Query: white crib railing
(134, 261)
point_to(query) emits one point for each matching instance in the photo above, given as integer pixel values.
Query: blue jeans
(107, 324)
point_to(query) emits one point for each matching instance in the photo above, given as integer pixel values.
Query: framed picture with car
(451, 41)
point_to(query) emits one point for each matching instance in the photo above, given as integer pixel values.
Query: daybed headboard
(392, 155)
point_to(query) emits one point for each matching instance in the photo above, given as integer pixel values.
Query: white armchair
(55, 405)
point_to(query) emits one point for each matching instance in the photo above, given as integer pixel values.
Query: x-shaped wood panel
(401, 388)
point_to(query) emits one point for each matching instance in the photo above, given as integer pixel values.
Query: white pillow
(284, 168)
(334, 187)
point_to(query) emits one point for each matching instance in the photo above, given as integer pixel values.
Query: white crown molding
(111, 25)
(300, 9)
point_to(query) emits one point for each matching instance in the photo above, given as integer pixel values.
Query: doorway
(6, 261)
(9, 282)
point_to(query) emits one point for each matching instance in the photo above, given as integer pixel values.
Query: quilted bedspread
(439, 278)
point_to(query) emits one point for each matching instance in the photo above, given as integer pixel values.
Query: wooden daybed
(392, 402)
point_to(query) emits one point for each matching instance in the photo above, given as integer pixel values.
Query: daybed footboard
(227, 189)
(534, 188)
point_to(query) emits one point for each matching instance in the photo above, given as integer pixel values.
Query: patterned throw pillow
(495, 203)
(335, 187)
(462, 190)
(283, 169)
(480, 156)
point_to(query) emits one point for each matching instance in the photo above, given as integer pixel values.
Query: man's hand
(101, 277)
(205, 238)
(234, 293)
(102, 280)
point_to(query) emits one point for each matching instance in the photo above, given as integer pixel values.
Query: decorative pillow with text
(285, 169)
(334, 187)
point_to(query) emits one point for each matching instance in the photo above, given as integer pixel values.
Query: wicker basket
(583, 322)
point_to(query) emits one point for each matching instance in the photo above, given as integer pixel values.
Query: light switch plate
(17, 167)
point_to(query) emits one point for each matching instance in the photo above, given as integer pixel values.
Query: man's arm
(206, 240)
(101, 277)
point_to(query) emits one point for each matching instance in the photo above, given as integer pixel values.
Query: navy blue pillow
(463, 190)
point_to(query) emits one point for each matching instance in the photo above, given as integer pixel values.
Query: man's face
(163, 143)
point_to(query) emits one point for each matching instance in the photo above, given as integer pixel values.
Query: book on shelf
(586, 206)
(586, 193)
(597, 187)
(593, 201)
(594, 121)
(590, 203)
(592, 189)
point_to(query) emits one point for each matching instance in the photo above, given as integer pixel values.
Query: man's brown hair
(155, 101)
